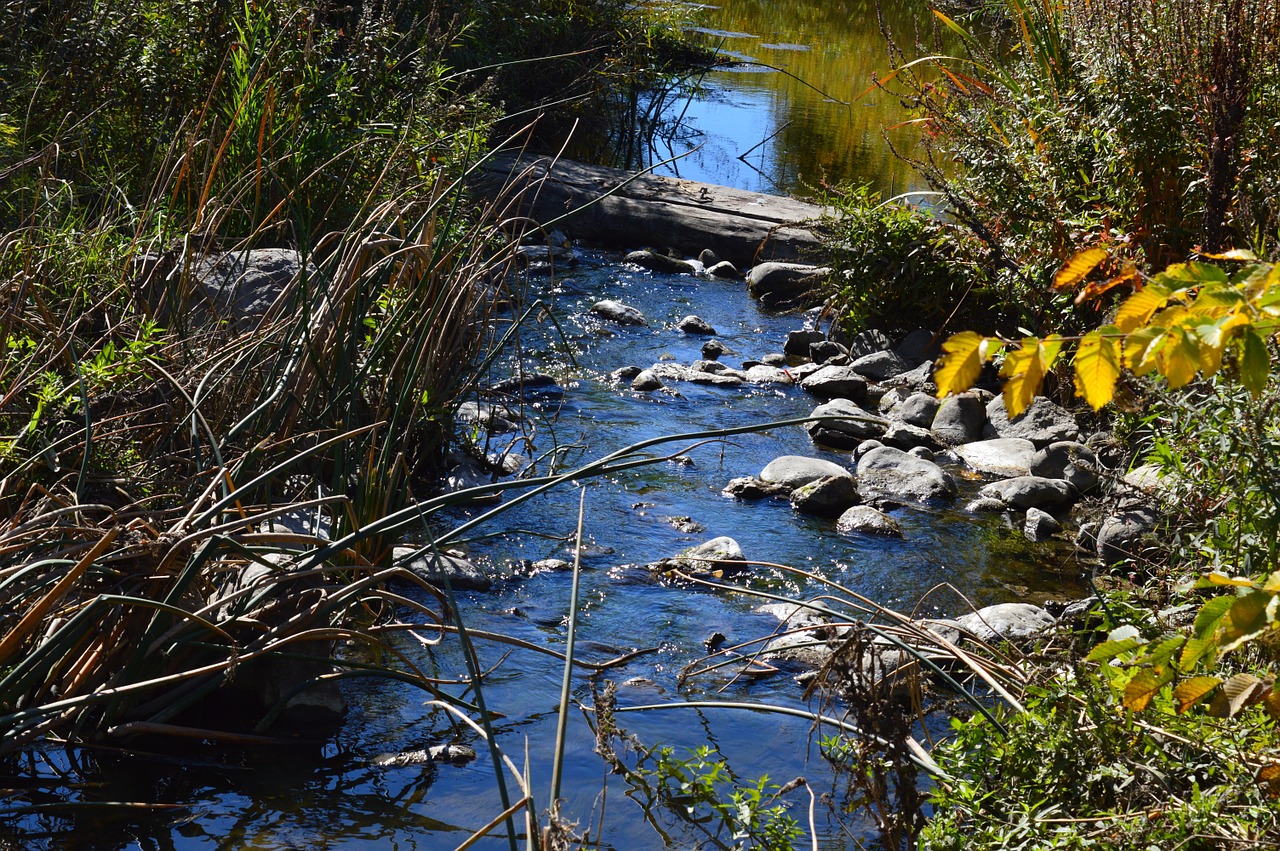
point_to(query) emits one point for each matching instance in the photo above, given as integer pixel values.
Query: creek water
(331, 796)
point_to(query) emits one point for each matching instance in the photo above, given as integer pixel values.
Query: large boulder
(1009, 621)
(889, 473)
(776, 284)
(920, 346)
(1003, 456)
(243, 285)
(796, 471)
(880, 365)
(960, 419)
(1023, 492)
(869, 342)
(1072, 462)
(1042, 423)
(905, 436)
(1040, 525)
(825, 497)
(853, 426)
(616, 311)
(440, 568)
(827, 350)
(868, 521)
(798, 342)
(836, 382)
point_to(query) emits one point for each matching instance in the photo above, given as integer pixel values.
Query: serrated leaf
(1139, 307)
(962, 360)
(1096, 288)
(1024, 371)
(1194, 650)
(1160, 655)
(1240, 691)
(1248, 617)
(1139, 690)
(1098, 366)
(1180, 358)
(1190, 692)
(1192, 274)
(1141, 348)
(1255, 362)
(1211, 614)
(1111, 649)
(1269, 776)
(1075, 269)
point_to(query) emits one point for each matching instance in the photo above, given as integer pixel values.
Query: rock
(891, 402)
(797, 470)
(918, 347)
(752, 488)
(529, 384)
(864, 447)
(869, 342)
(919, 409)
(1009, 621)
(1040, 525)
(470, 474)
(918, 380)
(551, 565)
(880, 365)
(454, 754)
(626, 373)
(708, 258)
(868, 521)
(922, 452)
(439, 568)
(762, 374)
(774, 359)
(1150, 480)
(242, 285)
(906, 436)
(1042, 423)
(537, 256)
(892, 473)
(855, 425)
(803, 648)
(1122, 536)
(616, 311)
(714, 348)
(825, 497)
(723, 269)
(1003, 456)
(675, 372)
(494, 418)
(1023, 492)
(655, 262)
(695, 325)
(645, 381)
(798, 342)
(824, 350)
(714, 367)
(836, 382)
(960, 419)
(776, 284)
(986, 505)
(717, 554)
(1072, 462)
(804, 370)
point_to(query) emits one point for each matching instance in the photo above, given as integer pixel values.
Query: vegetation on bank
(1110, 174)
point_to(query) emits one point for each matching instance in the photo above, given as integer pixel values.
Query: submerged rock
(655, 262)
(721, 553)
(616, 311)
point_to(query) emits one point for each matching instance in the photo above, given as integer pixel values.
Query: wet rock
(616, 311)
(798, 342)
(797, 470)
(762, 374)
(1003, 456)
(880, 365)
(854, 426)
(825, 350)
(1040, 525)
(696, 325)
(868, 521)
(836, 382)
(470, 474)
(551, 565)
(493, 418)
(1008, 621)
(1042, 423)
(625, 373)
(723, 269)
(721, 553)
(918, 347)
(960, 419)
(891, 473)
(655, 262)
(906, 436)
(714, 348)
(986, 505)
(919, 409)
(825, 497)
(529, 384)
(453, 754)
(752, 488)
(550, 256)
(708, 258)
(774, 359)
(686, 524)
(776, 284)
(1124, 535)
(646, 381)
(1072, 462)
(1023, 492)
(440, 568)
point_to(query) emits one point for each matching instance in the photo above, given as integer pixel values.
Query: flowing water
(331, 796)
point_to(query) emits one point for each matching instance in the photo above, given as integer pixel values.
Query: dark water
(329, 796)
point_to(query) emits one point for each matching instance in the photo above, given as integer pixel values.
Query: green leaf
(1111, 649)
(1098, 366)
(1160, 655)
(1255, 362)
(1211, 614)
(1248, 617)
(1194, 650)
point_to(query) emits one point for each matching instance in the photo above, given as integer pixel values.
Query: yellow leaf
(1025, 369)
(1233, 254)
(1141, 348)
(962, 360)
(1139, 691)
(1137, 308)
(1075, 269)
(1097, 288)
(1180, 358)
(1271, 703)
(1238, 692)
(1098, 366)
(1189, 693)
(1218, 578)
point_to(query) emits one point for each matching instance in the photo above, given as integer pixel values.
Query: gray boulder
(798, 342)
(919, 409)
(721, 553)
(1040, 525)
(1042, 423)
(880, 365)
(825, 350)
(714, 348)
(655, 262)
(832, 382)
(763, 374)
(1072, 462)
(1009, 621)
(795, 471)
(905, 436)
(616, 311)
(625, 373)
(752, 488)
(784, 283)
(918, 380)
(723, 269)
(492, 417)
(242, 285)
(696, 325)
(646, 381)
(918, 347)
(869, 342)
(854, 426)
(891, 473)
(1003, 456)
(439, 568)
(1124, 535)
(868, 521)
(825, 497)
(1023, 492)
(960, 419)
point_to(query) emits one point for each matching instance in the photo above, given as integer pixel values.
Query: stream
(333, 797)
